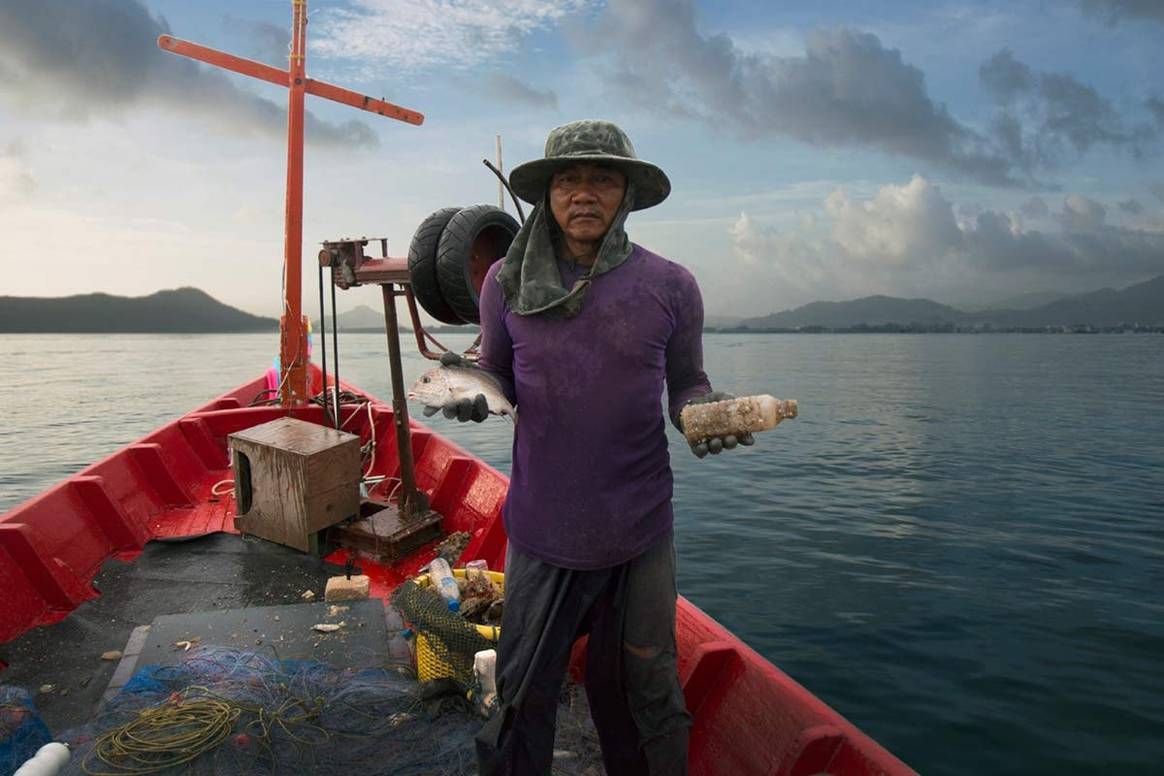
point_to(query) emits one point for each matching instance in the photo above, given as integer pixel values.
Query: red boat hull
(749, 717)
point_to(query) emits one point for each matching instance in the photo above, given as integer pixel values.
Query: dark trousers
(632, 682)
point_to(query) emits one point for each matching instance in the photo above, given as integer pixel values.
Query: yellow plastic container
(429, 665)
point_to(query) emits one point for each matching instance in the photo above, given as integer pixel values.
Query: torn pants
(631, 677)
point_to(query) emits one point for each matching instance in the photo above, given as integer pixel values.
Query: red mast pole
(293, 380)
(294, 386)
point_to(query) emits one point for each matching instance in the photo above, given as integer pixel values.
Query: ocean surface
(959, 544)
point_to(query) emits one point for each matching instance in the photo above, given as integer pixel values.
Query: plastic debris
(453, 545)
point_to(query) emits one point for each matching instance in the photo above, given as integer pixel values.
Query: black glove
(717, 444)
(463, 410)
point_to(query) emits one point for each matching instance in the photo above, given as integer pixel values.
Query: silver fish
(443, 384)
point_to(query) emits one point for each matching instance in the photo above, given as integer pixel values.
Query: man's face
(584, 199)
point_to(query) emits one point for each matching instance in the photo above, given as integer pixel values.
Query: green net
(445, 643)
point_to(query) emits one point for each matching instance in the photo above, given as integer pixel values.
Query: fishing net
(227, 711)
(22, 731)
(445, 641)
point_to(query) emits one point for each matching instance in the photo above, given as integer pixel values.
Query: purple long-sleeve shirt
(591, 481)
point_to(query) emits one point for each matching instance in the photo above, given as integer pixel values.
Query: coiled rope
(162, 737)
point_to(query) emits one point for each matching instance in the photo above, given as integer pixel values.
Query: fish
(443, 384)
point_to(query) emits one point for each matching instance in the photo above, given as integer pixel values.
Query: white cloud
(900, 226)
(906, 240)
(16, 181)
(418, 34)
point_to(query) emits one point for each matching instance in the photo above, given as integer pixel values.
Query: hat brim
(530, 180)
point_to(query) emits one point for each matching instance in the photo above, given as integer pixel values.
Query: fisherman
(582, 328)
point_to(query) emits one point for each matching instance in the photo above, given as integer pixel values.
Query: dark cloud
(1005, 77)
(1156, 106)
(74, 60)
(264, 41)
(1132, 206)
(1034, 207)
(1046, 118)
(1117, 10)
(1082, 214)
(1105, 251)
(847, 89)
(1086, 245)
(1157, 190)
(511, 89)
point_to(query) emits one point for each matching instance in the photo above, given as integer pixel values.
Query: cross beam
(294, 385)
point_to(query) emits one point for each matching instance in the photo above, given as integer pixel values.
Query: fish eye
(426, 379)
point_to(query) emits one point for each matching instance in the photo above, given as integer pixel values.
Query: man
(583, 328)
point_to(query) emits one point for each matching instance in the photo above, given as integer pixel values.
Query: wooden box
(294, 478)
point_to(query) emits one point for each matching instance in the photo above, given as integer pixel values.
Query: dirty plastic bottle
(445, 583)
(50, 759)
(476, 568)
(485, 669)
(747, 414)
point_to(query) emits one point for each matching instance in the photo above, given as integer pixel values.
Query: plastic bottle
(485, 669)
(747, 414)
(49, 761)
(445, 583)
(475, 568)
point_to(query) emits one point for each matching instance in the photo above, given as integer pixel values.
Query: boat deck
(749, 717)
(211, 573)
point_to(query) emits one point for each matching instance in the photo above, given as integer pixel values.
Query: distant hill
(362, 318)
(1020, 302)
(869, 311)
(721, 321)
(1141, 304)
(176, 310)
(366, 319)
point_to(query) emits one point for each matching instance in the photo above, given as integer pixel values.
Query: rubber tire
(454, 254)
(422, 266)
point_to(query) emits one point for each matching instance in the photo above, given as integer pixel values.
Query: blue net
(225, 711)
(22, 731)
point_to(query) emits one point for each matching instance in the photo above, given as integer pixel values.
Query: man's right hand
(463, 410)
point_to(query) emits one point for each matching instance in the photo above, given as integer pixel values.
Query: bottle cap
(454, 606)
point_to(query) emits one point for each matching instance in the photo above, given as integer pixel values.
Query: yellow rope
(163, 737)
(191, 723)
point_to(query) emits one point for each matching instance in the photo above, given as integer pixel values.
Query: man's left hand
(716, 445)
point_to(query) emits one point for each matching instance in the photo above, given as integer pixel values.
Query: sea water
(958, 544)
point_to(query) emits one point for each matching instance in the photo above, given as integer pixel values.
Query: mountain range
(367, 319)
(191, 310)
(173, 311)
(1141, 304)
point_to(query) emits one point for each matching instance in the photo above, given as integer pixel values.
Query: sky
(968, 152)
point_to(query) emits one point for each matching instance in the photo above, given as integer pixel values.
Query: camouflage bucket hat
(597, 142)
